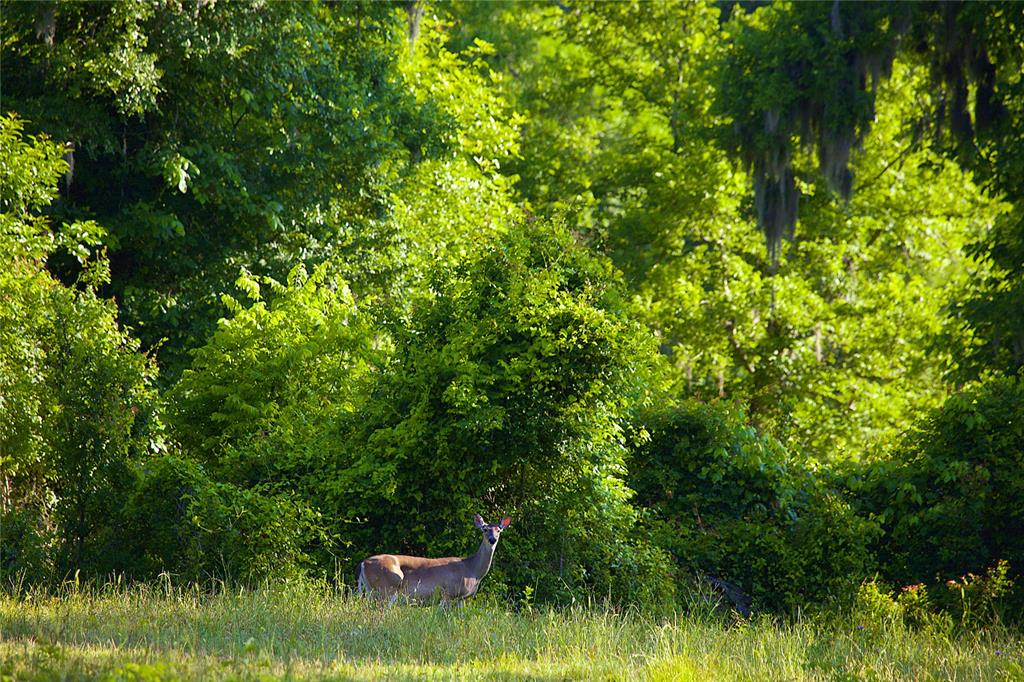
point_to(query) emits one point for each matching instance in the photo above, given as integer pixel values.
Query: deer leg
(392, 587)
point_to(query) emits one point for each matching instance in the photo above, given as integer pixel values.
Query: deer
(452, 579)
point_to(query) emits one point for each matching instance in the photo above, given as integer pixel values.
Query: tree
(811, 72)
(630, 143)
(215, 137)
(451, 206)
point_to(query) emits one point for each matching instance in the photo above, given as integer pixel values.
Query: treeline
(293, 283)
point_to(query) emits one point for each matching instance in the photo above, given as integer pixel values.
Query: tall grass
(164, 632)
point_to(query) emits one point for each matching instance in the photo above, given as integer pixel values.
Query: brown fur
(421, 579)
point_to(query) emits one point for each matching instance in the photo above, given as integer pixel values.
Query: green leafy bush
(969, 603)
(77, 401)
(27, 542)
(729, 502)
(509, 392)
(874, 607)
(272, 375)
(255, 414)
(949, 496)
(180, 521)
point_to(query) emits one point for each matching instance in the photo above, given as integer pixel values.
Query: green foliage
(418, 341)
(258, 407)
(978, 600)
(178, 520)
(28, 547)
(101, 418)
(509, 393)
(449, 206)
(878, 611)
(802, 71)
(77, 404)
(620, 125)
(287, 363)
(216, 137)
(734, 504)
(990, 312)
(874, 607)
(809, 73)
(949, 496)
(969, 603)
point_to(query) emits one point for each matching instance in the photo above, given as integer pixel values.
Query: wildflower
(860, 627)
(999, 652)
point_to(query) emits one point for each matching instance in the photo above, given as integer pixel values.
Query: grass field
(304, 632)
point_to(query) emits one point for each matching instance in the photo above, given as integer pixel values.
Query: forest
(698, 293)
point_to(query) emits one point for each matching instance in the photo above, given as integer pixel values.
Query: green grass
(164, 633)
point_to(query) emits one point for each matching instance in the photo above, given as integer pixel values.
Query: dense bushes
(507, 391)
(949, 496)
(313, 433)
(179, 520)
(729, 502)
(510, 392)
(84, 485)
(484, 360)
(77, 402)
(273, 376)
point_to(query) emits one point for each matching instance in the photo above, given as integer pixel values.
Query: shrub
(276, 368)
(77, 399)
(27, 542)
(970, 602)
(510, 392)
(979, 599)
(949, 496)
(506, 391)
(256, 412)
(180, 521)
(874, 607)
(729, 502)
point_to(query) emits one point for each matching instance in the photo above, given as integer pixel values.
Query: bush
(258, 410)
(27, 542)
(949, 496)
(731, 503)
(509, 392)
(284, 364)
(180, 521)
(77, 399)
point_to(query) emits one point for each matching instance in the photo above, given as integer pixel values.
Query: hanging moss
(808, 73)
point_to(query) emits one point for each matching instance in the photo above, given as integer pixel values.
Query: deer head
(491, 531)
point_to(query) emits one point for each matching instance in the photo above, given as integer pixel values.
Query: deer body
(421, 579)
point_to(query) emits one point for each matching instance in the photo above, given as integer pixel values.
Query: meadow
(162, 632)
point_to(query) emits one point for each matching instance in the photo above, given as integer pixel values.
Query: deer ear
(478, 521)
(504, 522)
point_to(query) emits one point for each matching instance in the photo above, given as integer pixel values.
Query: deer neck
(480, 562)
